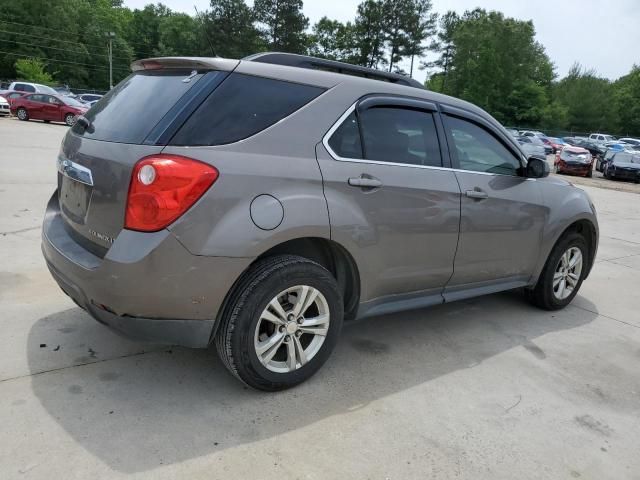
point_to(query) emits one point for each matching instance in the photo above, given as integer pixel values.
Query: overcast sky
(600, 34)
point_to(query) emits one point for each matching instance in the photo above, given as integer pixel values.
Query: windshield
(72, 102)
(45, 89)
(133, 107)
(569, 155)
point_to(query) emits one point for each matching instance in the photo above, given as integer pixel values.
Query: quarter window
(479, 151)
(242, 106)
(345, 141)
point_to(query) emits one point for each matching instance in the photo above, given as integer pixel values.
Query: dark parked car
(623, 166)
(50, 108)
(574, 160)
(602, 161)
(596, 149)
(256, 206)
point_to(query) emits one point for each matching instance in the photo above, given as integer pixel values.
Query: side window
(345, 141)
(242, 106)
(399, 135)
(479, 151)
(35, 98)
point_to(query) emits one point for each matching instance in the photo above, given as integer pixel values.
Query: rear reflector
(162, 188)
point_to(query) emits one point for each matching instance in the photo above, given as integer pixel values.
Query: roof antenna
(204, 30)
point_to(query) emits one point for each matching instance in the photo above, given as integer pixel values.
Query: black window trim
(449, 111)
(391, 101)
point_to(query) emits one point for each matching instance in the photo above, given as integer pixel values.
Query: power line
(62, 49)
(53, 60)
(63, 41)
(61, 31)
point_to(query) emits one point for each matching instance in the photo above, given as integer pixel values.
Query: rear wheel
(70, 119)
(22, 114)
(562, 275)
(281, 323)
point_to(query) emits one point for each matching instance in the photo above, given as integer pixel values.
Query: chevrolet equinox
(256, 204)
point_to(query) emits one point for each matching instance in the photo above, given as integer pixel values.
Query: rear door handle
(364, 182)
(477, 194)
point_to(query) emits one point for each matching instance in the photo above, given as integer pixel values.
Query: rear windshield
(131, 109)
(242, 106)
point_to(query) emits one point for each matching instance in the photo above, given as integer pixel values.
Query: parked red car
(50, 108)
(575, 160)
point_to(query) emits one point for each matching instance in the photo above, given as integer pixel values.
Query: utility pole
(110, 37)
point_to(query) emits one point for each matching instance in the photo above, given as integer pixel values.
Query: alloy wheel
(291, 329)
(567, 273)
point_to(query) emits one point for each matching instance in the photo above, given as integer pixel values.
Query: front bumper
(577, 168)
(625, 173)
(147, 287)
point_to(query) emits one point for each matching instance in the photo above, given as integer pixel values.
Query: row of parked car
(40, 102)
(615, 158)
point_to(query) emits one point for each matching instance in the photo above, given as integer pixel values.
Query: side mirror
(537, 168)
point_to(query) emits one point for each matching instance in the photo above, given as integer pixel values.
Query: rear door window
(242, 106)
(400, 135)
(137, 104)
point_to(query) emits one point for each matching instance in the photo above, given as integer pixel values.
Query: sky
(599, 34)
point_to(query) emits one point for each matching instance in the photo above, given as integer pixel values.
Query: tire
(70, 119)
(47, 121)
(543, 295)
(240, 331)
(22, 114)
(590, 174)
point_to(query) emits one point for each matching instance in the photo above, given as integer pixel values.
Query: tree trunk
(411, 69)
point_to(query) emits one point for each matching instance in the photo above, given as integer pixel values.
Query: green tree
(370, 27)
(626, 93)
(495, 62)
(32, 70)
(444, 45)
(333, 40)
(588, 100)
(420, 26)
(282, 24)
(230, 27)
(179, 35)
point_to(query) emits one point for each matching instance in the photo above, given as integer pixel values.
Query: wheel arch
(584, 227)
(328, 253)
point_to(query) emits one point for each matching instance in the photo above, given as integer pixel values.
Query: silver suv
(257, 204)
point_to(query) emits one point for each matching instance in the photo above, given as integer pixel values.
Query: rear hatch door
(134, 120)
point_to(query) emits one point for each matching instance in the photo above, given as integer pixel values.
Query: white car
(4, 106)
(601, 138)
(31, 88)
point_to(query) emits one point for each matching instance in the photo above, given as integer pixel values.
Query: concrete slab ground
(489, 388)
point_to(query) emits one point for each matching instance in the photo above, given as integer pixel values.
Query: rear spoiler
(196, 63)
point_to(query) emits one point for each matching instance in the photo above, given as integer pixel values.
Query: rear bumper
(147, 287)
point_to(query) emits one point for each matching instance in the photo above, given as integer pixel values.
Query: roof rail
(314, 63)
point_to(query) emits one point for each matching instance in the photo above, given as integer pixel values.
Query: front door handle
(477, 194)
(364, 182)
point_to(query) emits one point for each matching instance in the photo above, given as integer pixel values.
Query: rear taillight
(162, 188)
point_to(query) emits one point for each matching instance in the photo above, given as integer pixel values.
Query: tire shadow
(169, 405)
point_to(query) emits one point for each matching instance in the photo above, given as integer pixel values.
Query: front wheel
(22, 114)
(281, 323)
(562, 275)
(70, 119)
